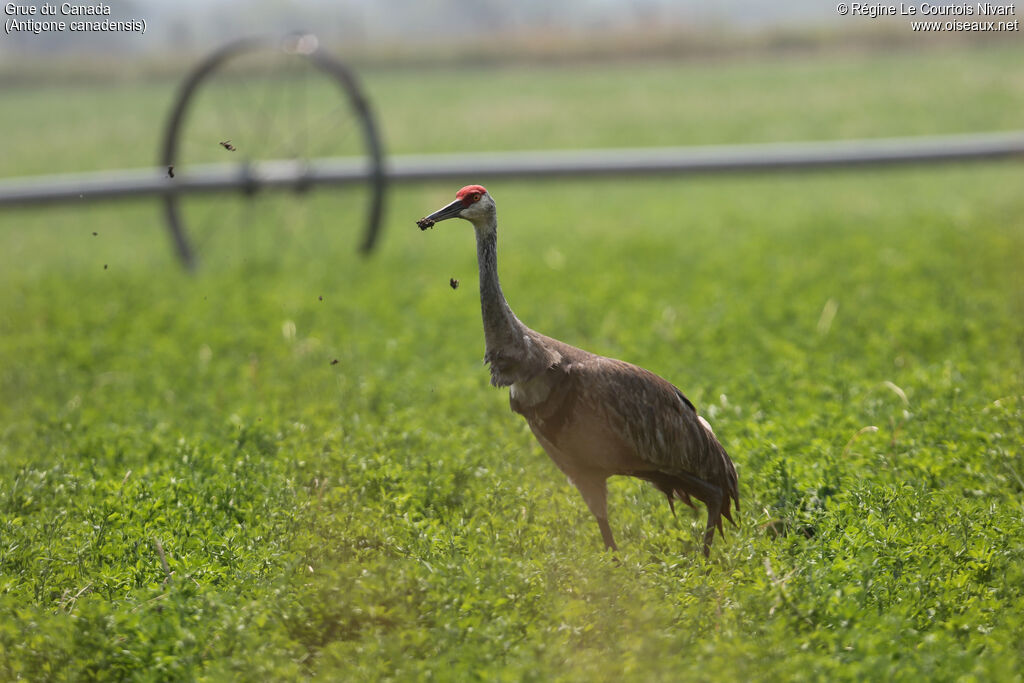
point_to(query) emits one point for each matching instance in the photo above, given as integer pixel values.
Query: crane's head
(471, 202)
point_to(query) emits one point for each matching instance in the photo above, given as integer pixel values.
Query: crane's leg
(594, 489)
(712, 497)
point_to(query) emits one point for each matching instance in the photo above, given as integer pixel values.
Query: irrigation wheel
(269, 99)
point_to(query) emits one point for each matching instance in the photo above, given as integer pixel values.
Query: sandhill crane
(595, 416)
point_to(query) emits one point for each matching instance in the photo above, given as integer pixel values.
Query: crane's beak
(450, 211)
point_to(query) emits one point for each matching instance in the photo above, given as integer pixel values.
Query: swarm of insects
(425, 223)
(226, 144)
(334, 362)
(454, 283)
(170, 171)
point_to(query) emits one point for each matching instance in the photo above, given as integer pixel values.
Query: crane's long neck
(502, 330)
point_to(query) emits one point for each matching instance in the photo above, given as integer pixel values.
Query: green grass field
(855, 338)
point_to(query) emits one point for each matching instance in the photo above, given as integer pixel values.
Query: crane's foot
(606, 534)
(709, 536)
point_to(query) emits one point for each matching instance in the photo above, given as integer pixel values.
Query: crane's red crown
(471, 194)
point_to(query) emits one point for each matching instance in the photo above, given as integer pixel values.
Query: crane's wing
(657, 420)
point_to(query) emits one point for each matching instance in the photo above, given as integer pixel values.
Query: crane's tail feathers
(728, 481)
(717, 487)
(669, 485)
(685, 497)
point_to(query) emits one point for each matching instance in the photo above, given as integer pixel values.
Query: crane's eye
(476, 197)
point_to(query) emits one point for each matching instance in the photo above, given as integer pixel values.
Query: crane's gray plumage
(596, 417)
